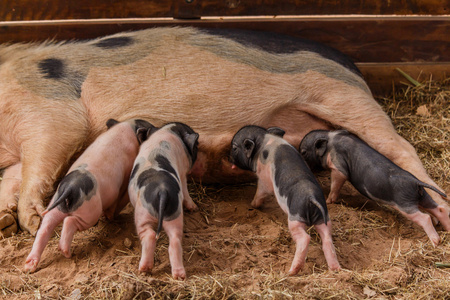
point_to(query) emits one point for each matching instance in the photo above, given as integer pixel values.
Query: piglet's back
(297, 183)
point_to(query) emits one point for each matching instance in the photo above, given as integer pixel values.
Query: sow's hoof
(8, 223)
(29, 221)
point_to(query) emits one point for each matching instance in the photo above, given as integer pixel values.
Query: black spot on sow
(52, 68)
(114, 42)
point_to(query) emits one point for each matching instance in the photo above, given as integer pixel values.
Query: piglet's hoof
(31, 265)
(331, 200)
(192, 207)
(145, 268)
(8, 223)
(335, 267)
(294, 270)
(179, 274)
(67, 253)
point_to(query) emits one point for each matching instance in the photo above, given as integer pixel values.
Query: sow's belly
(213, 164)
(163, 87)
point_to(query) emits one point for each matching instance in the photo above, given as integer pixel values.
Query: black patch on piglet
(304, 196)
(165, 164)
(52, 68)
(143, 124)
(247, 139)
(309, 151)
(189, 138)
(75, 188)
(115, 42)
(276, 131)
(134, 171)
(156, 183)
(111, 122)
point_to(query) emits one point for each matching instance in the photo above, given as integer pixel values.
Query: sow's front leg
(9, 193)
(51, 142)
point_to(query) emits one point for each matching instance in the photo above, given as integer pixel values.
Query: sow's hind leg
(439, 211)
(54, 138)
(424, 221)
(342, 105)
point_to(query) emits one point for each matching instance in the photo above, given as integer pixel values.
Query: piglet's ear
(276, 131)
(111, 122)
(190, 140)
(249, 146)
(151, 130)
(344, 132)
(141, 134)
(321, 147)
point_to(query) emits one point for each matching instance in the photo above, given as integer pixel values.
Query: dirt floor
(232, 251)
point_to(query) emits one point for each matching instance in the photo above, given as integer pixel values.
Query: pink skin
(265, 190)
(301, 238)
(327, 245)
(109, 159)
(442, 214)
(146, 224)
(297, 102)
(337, 181)
(146, 228)
(424, 221)
(9, 194)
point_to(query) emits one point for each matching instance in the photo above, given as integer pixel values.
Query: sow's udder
(213, 166)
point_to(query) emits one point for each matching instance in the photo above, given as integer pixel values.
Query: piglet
(95, 184)
(158, 189)
(373, 175)
(283, 172)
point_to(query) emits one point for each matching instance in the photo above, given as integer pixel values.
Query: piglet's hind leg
(49, 223)
(301, 238)
(337, 181)
(70, 226)
(262, 193)
(147, 235)
(425, 222)
(442, 214)
(188, 203)
(174, 230)
(327, 246)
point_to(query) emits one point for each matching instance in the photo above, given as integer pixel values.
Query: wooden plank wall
(379, 35)
(21, 10)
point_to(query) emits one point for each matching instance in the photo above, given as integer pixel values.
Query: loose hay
(428, 133)
(233, 251)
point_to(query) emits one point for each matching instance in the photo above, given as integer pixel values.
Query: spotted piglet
(373, 175)
(282, 171)
(96, 183)
(158, 190)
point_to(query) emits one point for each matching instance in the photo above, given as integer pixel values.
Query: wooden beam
(26, 10)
